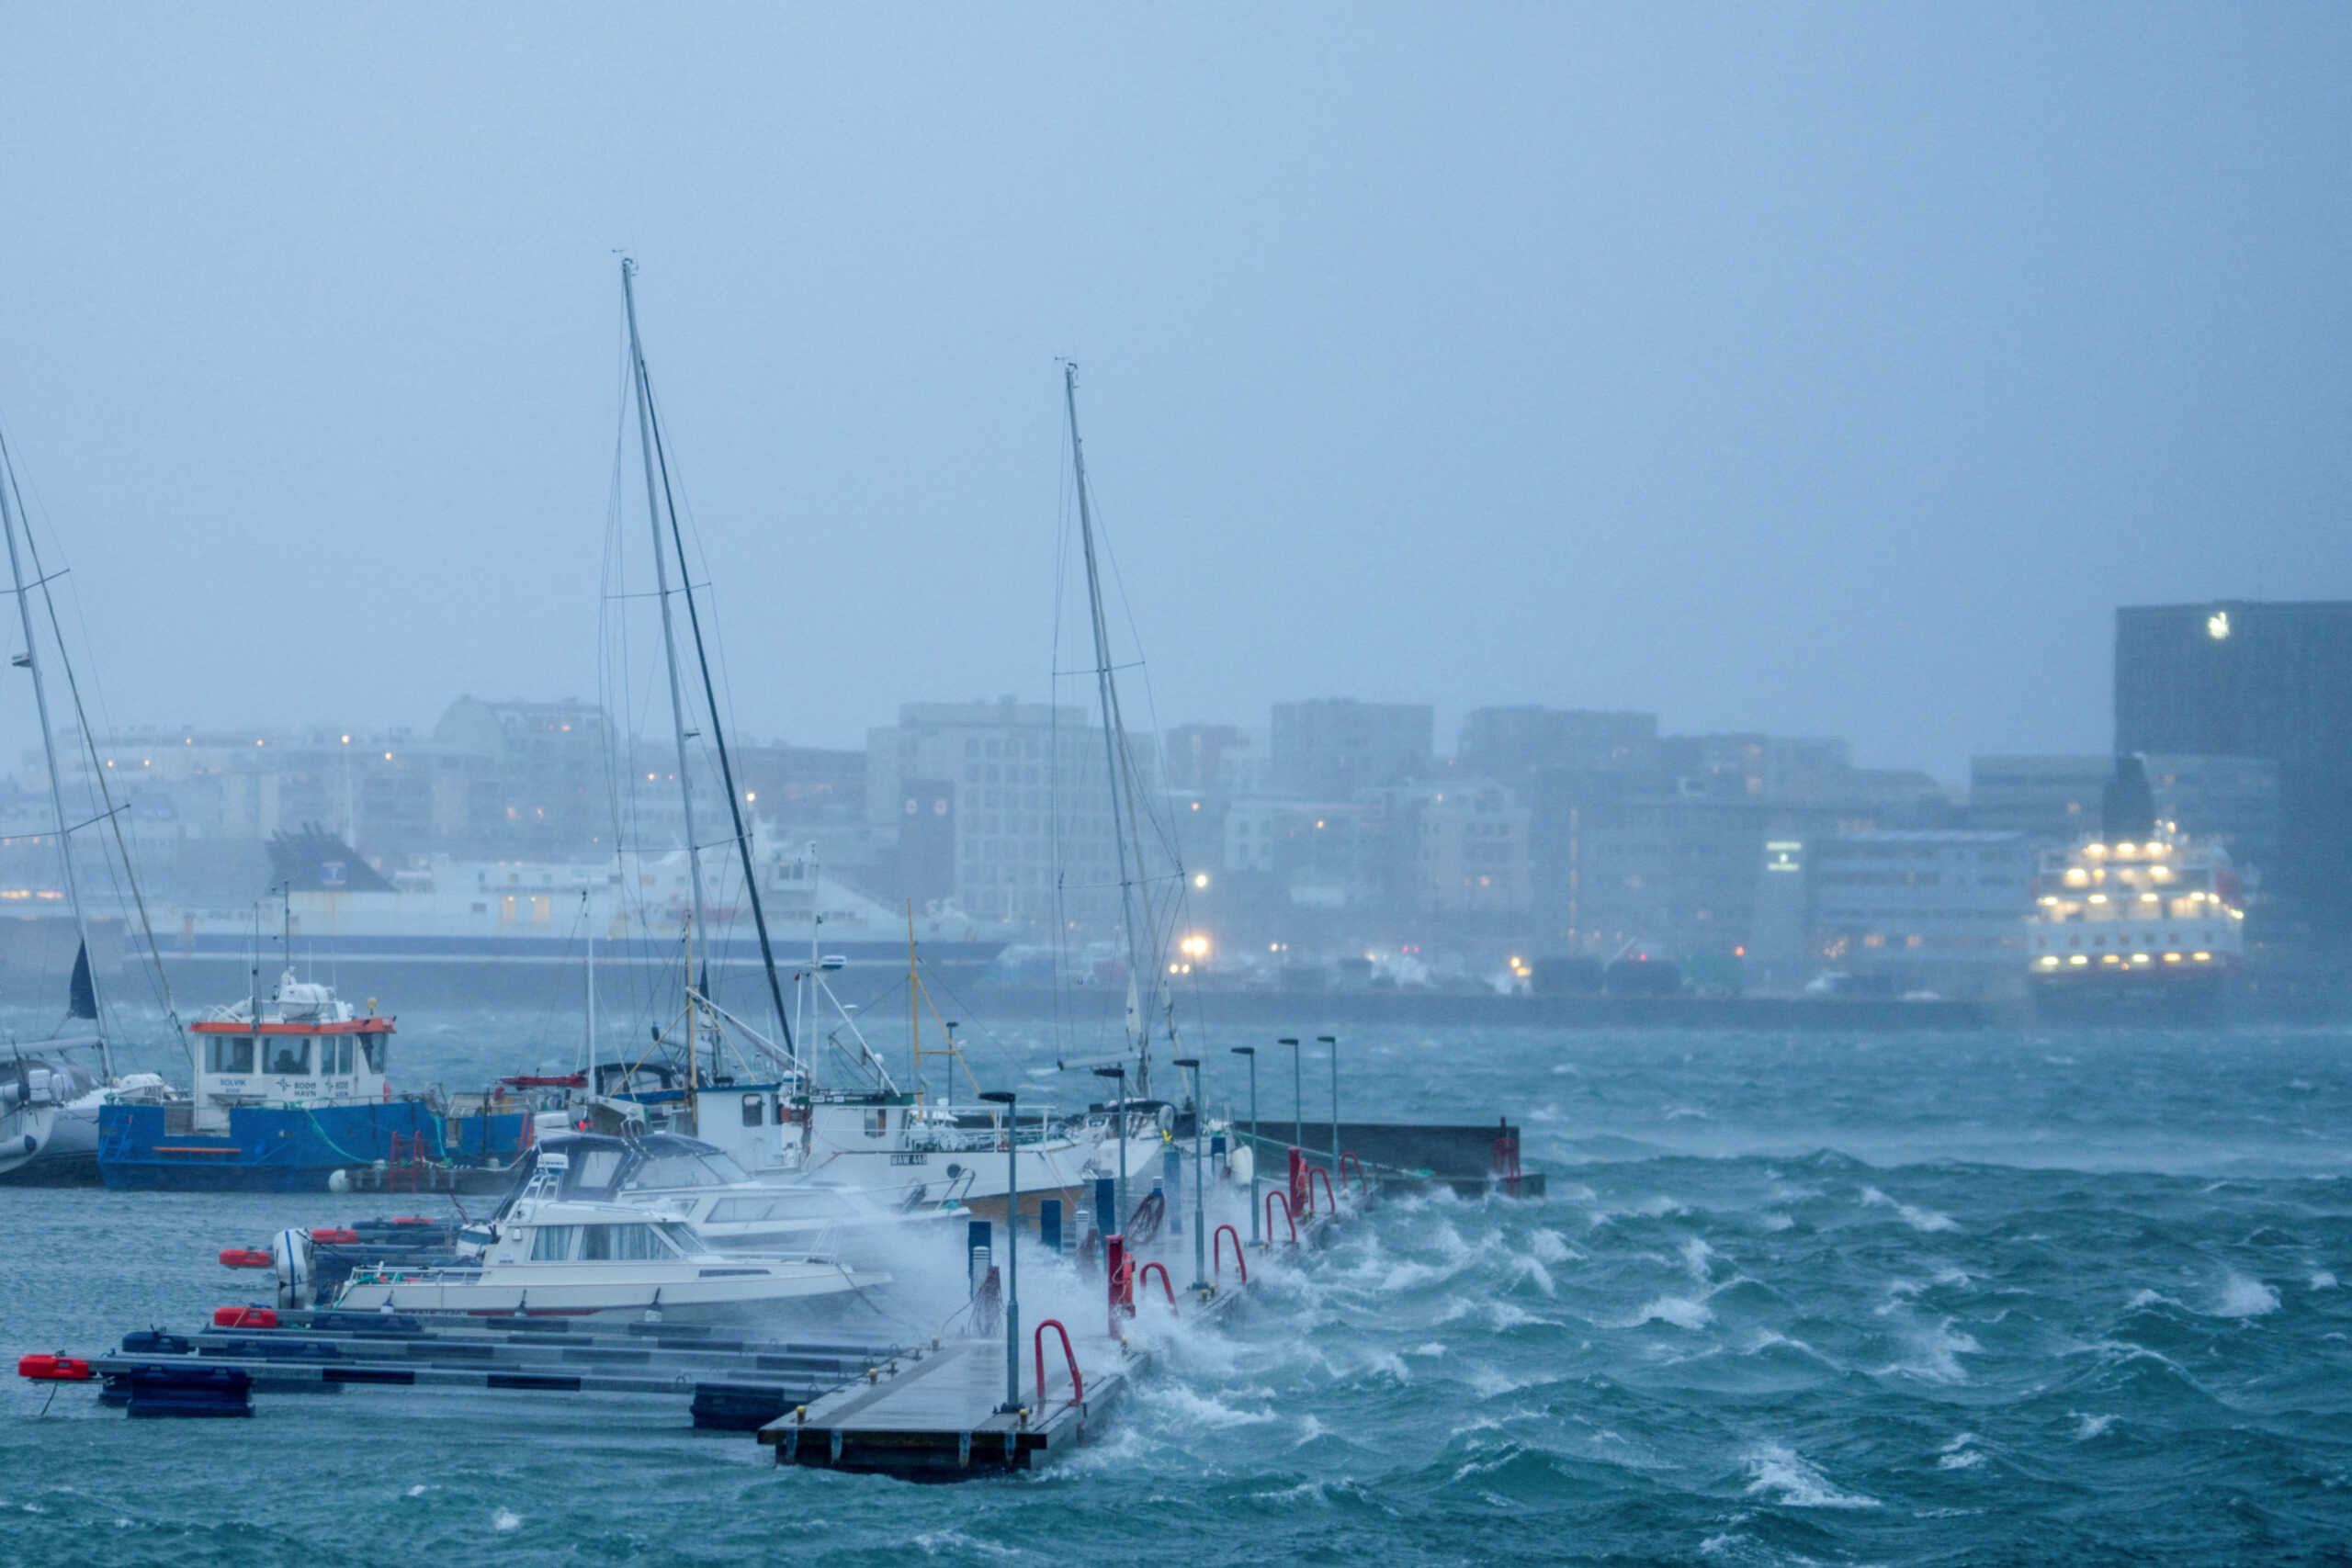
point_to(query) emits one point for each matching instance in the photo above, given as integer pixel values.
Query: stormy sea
(1982, 1298)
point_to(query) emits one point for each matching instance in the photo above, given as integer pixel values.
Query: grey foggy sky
(1832, 371)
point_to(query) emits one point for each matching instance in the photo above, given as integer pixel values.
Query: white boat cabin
(309, 1047)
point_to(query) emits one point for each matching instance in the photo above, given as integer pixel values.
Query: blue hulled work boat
(288, 1091)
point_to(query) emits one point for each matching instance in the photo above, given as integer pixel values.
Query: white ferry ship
(2150, 925)
(490, 930)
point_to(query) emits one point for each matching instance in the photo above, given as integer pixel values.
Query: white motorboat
(684, 1179)
(554, 1257)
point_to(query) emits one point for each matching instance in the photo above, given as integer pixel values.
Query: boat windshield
(712, 1169)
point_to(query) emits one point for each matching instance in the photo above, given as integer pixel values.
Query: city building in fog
(1018, 788)
(1514, 743)
(1332, 747)
(2254, 679)
(2050, 799)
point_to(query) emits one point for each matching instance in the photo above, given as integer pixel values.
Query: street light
(1119, 1131)
(1297, 1097)
(1200, 1181)
(1333, 1041)
(1252, 1052)
(1012, 1254)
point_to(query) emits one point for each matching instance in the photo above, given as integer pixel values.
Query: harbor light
(2202, 957)
(1200, 879)
(2078, 958)
(2217, 625)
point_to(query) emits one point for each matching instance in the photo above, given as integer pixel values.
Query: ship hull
(266, 1149)
(2158, 1000)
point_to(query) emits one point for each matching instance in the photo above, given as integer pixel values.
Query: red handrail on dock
(1165, 1282)
(1119, 1271)
(1505, 1157)
(1273, 1196)
(1347, 1159)
(1216, 1252)
(1317, 1173)
(1038, 1353)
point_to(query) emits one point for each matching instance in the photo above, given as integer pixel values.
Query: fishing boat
(553, 1256)
(290, 1090)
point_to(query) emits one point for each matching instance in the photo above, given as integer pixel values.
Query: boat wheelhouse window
(372, 1041)
(335, 1054)
(624, 1244)
(753, 1109)
(682, 1239)
(741, 1210)
(233, 1053)
(290, 1055)
(552, 1244)
(877, 1124)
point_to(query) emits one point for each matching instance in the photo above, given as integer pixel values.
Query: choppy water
(1988, 1298)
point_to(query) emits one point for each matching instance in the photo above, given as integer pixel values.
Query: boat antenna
(646, 439)
(31, 660)
(1114, 734)
(709, 692)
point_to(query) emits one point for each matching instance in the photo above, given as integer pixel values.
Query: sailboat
(713, 1075)
(1145, 1124)
(50, 1096)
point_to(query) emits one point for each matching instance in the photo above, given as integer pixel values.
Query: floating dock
(939, 1410)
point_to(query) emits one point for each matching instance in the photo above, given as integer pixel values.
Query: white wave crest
(2322, 1280)
(2242, 1297)
(505, 1521)
(1550, 1246)
(1958, 1455)
(935, 1543)
(1680, 1311)
(1918, 1219)
(2087, 1427)
(1696, 1254)
(1783, 1474)
(1936, 1354)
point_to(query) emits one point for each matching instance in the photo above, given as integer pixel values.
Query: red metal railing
(1347, 1159)
(1119, 1271)
(1273, 1196)
(1166, 1284)
(1316, 1173)
(1038, 1354)
(1216, 1252)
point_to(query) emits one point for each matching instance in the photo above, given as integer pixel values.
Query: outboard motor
(289, 1254)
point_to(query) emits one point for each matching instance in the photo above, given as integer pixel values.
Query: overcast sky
(1824, 371)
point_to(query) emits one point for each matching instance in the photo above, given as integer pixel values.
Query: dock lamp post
(1119, 1131)
(1333, 1041)
(1199, 1180)
(1251, 1052)
(1012, 1254)
(1297, 1097)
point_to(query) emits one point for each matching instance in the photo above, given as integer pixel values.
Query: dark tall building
(2240, 677)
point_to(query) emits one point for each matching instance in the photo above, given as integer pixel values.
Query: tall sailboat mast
(1140, 973)
(669, 634)
(31, 662)
(650, 427)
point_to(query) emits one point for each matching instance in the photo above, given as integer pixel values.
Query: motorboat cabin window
(233, 1053)
(754, 1106)
(343, 1053)
(553, 1243)
(877, 1123)
(373, 1043)
(624, 1244)
(290, 1055)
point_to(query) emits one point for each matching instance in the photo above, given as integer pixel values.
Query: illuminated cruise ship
(2155, 922)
